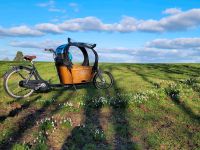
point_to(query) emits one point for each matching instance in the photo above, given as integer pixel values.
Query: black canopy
(82, 47)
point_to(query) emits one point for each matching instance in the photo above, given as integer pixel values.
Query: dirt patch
(15, 105)
(143, 107)
(135, 139)
(105, 118)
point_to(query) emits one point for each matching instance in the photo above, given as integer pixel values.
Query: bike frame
(34, 71)
(38, 77)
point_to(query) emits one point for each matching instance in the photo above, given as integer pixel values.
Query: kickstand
(74, 87)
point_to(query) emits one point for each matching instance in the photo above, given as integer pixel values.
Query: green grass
(150, 106)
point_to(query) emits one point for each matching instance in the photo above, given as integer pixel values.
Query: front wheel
(13, 78)
(103, 80)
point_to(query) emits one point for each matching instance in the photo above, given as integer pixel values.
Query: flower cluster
(81, 104)
(139, 98)
(163, 83)
(173, 90)
(68, 106)
(40, 138)
(119, 101)
(190, 81)
(99, 135)
(95, 102)
(48, 123)
(46, 102)
(95, 133)
(194, 83)
(67, 122)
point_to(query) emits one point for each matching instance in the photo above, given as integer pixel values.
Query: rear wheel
(103, 80)
(12, 79)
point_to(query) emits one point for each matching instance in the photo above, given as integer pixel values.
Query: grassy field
(150, 106)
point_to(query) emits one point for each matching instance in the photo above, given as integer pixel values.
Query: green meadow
(150, 106)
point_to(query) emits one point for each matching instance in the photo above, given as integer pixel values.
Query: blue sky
(140, 31)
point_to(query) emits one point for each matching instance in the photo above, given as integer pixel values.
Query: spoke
(21, 75)
(13, 83)
(103, 81)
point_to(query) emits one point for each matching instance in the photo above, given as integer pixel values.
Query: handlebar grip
(94, 45)
(50, 49)
(69, 40)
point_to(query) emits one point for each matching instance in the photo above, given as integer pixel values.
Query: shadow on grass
(16, 111)
(89, 135)
(144, 77)
(183, 69)
(119, 105)
(86, 137)
(30, 120)
(176, 99)
(166, 70)
(175, 69)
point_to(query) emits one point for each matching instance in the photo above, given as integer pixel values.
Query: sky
(125, 31)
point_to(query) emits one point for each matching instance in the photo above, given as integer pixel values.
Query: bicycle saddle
(28, 57)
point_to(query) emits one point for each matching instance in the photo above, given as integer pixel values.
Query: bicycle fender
(15, 68)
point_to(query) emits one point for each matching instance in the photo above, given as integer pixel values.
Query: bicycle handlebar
(79, 44)
(49, 50)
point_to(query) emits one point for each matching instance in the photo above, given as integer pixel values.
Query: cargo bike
(21, 81)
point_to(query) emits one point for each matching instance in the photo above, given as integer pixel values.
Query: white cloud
(20, 31)
(178, 43)
(172, 11)
(127, 24)
(173, 23)
(82, 24)
(48, 27)
(172, 50)
(36, 45)
(177, 22)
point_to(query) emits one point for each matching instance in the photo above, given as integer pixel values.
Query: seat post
(32, 63)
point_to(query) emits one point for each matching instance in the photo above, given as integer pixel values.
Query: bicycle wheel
(103, 80)
(12, 79)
